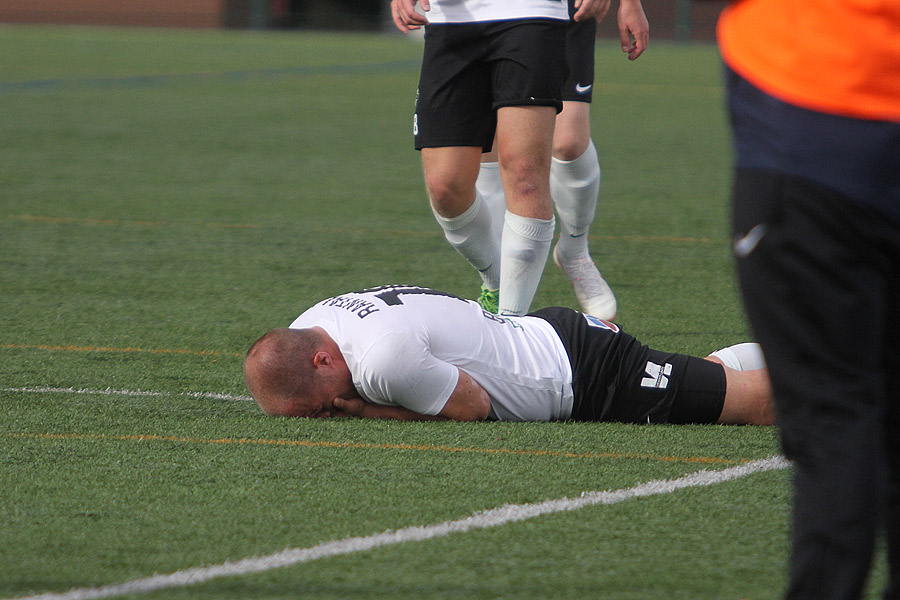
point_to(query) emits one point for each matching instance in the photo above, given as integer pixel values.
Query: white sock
(574, 185)
(490, 185)
(524, 250)
(742, 357)
(471, 234)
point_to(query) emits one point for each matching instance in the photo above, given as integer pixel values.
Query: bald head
(279, 369)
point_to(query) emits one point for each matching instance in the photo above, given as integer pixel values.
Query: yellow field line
(110, 349)
(345, 230)
(354, 445)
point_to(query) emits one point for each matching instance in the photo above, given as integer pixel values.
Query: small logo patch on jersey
(583, 89)
(600, 323)
(656, 376)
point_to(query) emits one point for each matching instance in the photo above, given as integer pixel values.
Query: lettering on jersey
(656, 376)
(391, 294)
(360, 306)
(501, 319)
(601, 324)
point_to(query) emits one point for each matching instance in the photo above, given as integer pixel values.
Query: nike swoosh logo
(743, 246)
(583, 89)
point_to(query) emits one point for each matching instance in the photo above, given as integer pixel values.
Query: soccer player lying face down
(297, 373)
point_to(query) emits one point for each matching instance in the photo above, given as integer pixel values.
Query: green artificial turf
(168, 196)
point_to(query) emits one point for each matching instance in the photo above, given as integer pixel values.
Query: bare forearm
(377, 411)
(468, 402)
(366, 410)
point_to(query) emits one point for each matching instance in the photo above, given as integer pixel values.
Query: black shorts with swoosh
(580, 38)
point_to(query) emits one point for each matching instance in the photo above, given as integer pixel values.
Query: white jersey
(470, 11)
(403, 346)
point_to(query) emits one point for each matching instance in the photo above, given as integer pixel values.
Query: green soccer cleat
(489, 299)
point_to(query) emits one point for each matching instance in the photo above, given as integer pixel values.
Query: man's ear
(322, 359)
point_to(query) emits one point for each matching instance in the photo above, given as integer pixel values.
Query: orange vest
(835, 56)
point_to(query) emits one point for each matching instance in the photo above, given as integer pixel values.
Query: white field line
(481, 520)
(112, 392)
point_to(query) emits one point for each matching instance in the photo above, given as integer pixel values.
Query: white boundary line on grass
(481, 520)
(112, 392)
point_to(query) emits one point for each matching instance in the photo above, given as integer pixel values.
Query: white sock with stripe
(574, 185)
(524, 251)
(472, 235)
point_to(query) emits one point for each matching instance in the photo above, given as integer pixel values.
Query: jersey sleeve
(398, 369)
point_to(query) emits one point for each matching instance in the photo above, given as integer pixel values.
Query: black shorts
(580, 37)
(469, 70)
(616, 378)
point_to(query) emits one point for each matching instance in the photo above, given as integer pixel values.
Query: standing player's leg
(892, 426)
(575, 174)
(575, 185)
(453, 123)
(798, 242)
(466, 220)
(527, 73)
(490, 187)
(524, 137)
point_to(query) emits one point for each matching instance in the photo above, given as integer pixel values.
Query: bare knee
(572, 133)
(450, 175)
(569, 145)
(449, 197)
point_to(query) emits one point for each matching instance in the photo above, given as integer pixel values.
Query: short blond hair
(279, 366)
